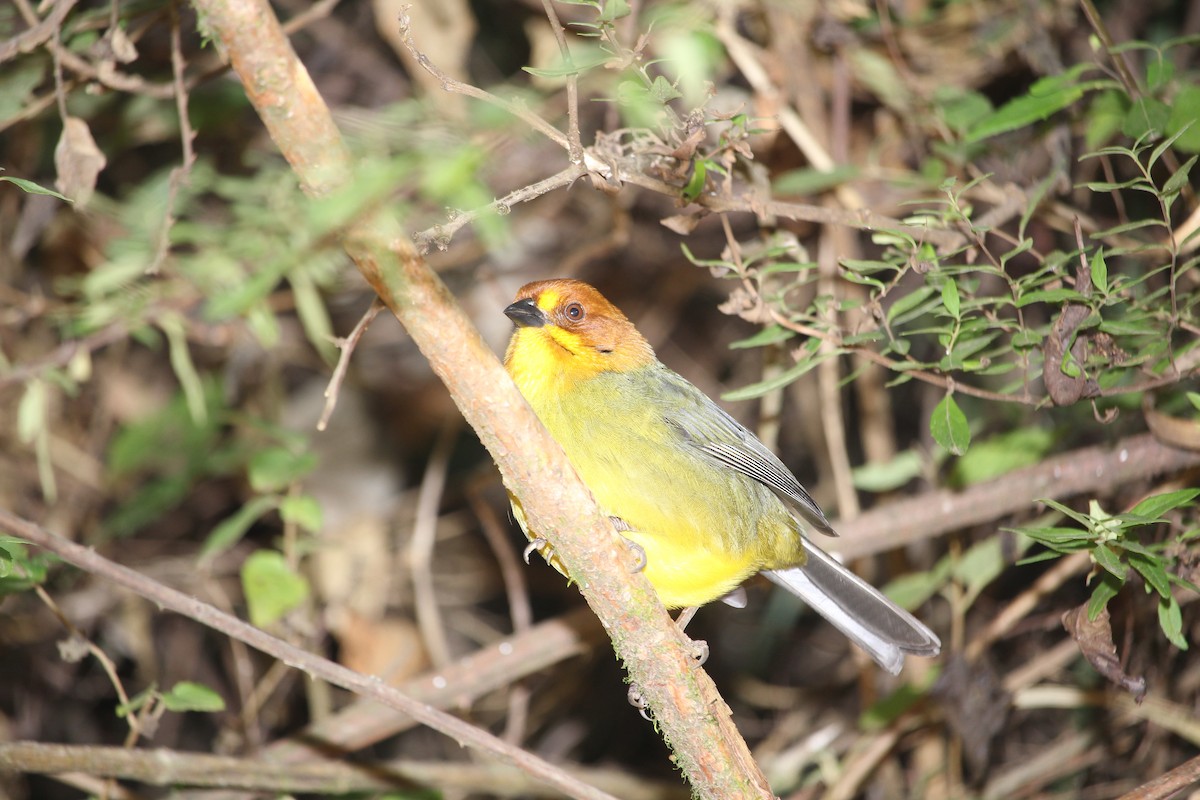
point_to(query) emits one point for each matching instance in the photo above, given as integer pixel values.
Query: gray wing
(722, 438)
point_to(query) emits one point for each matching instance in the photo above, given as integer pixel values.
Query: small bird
(703, 501)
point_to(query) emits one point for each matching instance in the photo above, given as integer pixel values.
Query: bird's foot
(637, 701)
(639, 551)
(538, 545)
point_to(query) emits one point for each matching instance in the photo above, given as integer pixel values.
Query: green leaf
(1155, 506)
(1194, 399)
(31, 412)
(1170, 619)
(274, 469)
(189, 696)
(1099, 272)
(1045, 97)
(890, 475)
(1151, 568)
(272, 588)
(1147, 119)
(1104, 118)
(908, 302)
(949, 426)
(1179, 179)
(695, 184)
(302, 510)
(1103, 555)
(1105, 590)
(809, 181)
(1027, 338)
(1185, 111)
(230, 530)
(997, 455)
(32, 188)
(950, 297)
(181, 362)
(1052, 296)
(780, 380)
(771, 334)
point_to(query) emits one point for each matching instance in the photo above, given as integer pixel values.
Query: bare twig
(346, 348)
(179, 175)
(449, 84)
(162, 767)
(419, 553)
(575, 145)
(89, 560)
(1091, 470)
(1185, 775)
(40, 31)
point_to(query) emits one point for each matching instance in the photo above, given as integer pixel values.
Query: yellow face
(566, 331)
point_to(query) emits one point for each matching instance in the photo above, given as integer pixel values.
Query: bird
(702, 501)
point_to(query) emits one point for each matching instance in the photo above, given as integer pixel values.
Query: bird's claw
(536, 545)
(699, 650)
(637, 701)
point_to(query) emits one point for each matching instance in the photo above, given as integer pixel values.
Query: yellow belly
(683, 572)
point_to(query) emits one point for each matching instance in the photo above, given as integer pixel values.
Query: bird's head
(566, 327)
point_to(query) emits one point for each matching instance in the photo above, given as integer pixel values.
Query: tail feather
(860, 611)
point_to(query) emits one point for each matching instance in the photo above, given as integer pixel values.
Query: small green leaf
(1099, 272)
(1103, 555)
(31, 412)
(695, 184)
(1170, 619)
(949, 426)
(772, 334)
(1179, 179)
(1151, 568)
(1185, 110)
(302, 510)
(272, 588)
(1194, 399)
(231, 529)
(908, 302)
(1155, 506)
(189, 696)
(1105, 590)
(890, 475)
(181, 362)
(950, 297)
(32, 188)
(275, 468)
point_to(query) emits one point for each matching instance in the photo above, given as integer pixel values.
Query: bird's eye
(574, 312)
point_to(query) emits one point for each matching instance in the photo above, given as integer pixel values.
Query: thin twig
(163, 767)
(419, 554)
(179, 175)
(90, 561)
(449, 84)
(346, 347)
(575, 145)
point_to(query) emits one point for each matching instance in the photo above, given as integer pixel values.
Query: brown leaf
(78, 161)
(1096, 643)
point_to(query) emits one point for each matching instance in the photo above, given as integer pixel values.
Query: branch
(688, 710)
(90, 561)
(163, 767)
(1089, 470)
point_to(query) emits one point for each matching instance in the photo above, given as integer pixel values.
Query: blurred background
(1025, 293)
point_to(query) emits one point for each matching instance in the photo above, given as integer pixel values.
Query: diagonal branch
(688, 710)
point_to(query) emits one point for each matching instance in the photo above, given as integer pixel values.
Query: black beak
(526, 314)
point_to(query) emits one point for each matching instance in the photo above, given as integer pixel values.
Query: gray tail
(858, 609)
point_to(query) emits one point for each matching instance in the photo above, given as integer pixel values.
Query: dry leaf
(78, 161)
(1096, 642)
